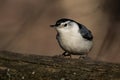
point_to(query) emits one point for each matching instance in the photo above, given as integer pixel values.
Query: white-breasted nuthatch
(73, 37)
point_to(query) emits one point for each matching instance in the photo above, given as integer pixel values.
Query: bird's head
(66, 25)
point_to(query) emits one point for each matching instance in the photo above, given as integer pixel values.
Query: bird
(73, 37)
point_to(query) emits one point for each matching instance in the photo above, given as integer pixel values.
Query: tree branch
(15, 66)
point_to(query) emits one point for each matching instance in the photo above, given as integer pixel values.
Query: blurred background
(24, 25)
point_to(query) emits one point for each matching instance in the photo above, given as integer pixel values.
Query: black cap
(61, 21)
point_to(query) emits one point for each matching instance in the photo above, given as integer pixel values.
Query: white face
(67, 27)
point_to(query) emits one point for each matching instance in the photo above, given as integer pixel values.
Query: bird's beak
(52, 25)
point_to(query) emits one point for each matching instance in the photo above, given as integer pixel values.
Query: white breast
(74, 42)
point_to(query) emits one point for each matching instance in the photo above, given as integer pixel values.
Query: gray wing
(85, 32)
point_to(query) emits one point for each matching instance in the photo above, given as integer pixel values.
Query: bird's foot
(66, 55)
(84, 57)
(63, 55)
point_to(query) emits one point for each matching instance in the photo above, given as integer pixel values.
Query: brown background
(24, 25)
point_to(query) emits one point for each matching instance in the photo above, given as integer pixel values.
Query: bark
(15, 66)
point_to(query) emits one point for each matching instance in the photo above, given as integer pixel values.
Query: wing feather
(85, 32)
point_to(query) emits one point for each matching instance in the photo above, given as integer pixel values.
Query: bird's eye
(65, 25)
